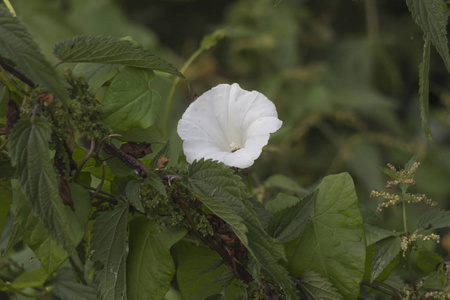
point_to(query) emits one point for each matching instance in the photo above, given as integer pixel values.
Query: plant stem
(10, 7)
(172, 90)
(405, 227)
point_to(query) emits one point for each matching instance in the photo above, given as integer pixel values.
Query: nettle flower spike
(228, 124)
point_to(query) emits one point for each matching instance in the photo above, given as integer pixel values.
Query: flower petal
(228, 124)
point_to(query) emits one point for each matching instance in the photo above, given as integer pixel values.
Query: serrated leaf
(424, 84)
(433, 220)
(375, 234)
(156, 183)
(109, 256)
(132, 191)
(219, 188)
(431, 16)
(150, 266)
(332, 243)
(193, 280)
(30, 154)
(129, 101)
(109, 50)
(17, 45)
(385, 251)
(281, 201)
(36, 236)
(316, 287)
(290, 223)
(65, 286)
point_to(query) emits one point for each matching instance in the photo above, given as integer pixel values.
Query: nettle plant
(88, 211)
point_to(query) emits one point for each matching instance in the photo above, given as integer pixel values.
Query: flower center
(234, 146)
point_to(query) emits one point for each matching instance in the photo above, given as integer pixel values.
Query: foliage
(98, 201)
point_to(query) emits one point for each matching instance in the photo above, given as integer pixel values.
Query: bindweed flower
(228, 124)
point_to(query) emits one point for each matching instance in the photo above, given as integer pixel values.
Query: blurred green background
(343, 75)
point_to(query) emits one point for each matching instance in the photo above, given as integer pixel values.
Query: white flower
(228, 124)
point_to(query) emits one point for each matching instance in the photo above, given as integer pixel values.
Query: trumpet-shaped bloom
(228, 124)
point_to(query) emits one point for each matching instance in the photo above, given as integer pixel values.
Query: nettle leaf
(110, 245)
(31, 155)
(130, 101)
(195, 275)
(17, 45)
(36, 236)
(431, 16)
(316, 287)
(150, 266)
(424, 84)
(281, 201)
(289, 223)
(385, 252)
(433, 220)
(375, 234)
(219, 188)
(332, 242)
(132, 191)
(109, 50)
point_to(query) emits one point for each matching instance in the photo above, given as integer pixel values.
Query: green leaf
(132, 191)
(424, 84)
(431, 16)
(65, 286)
(95, 74)
(150, 266)
(316, 287)
(31, 278)
(109, 243)
(289, 223)
(17, 45)
(282, 201)
(109, 50)
(332, 243)
(385, 251)
(129, 101)
(156, 183)
(36, 236)
(375, 234)
(149, 135)
(31, 155)
(433, 220)
(194, 275)
(223, 192)
(427, 261)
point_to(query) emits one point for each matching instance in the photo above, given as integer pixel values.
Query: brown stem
(227, 255)
(91, 150)
(101, 183)
(16, 73)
